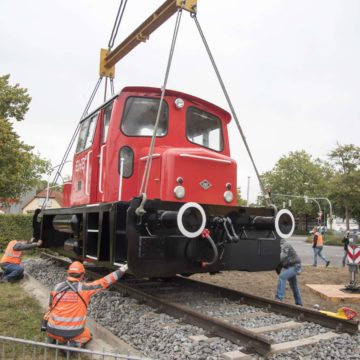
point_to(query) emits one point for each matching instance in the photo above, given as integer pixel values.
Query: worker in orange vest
(10, 263)
(66, 317)
(318, 244)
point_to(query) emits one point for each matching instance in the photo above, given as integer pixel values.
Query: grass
(20, 315)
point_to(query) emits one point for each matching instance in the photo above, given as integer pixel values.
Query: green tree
(20, 168)
(14, 100)
(344, 186)
(298, 174)
(239, 200)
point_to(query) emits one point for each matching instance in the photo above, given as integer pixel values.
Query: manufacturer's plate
(205, 184)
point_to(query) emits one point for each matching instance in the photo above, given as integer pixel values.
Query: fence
(12, 348)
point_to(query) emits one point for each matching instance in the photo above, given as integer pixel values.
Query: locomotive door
(105, 122)
(85, 163)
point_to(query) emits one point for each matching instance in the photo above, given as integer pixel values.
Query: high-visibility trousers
(80, 340)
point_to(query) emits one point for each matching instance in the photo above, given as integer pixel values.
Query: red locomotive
(153, 184)
(192, 187)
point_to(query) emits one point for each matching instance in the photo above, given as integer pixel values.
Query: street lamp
(315, 199)
(330, 208)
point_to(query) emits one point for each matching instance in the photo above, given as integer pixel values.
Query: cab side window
(106, 122)
(204, 129)
(87, 130)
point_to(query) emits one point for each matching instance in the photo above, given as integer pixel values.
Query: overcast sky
(292, 69)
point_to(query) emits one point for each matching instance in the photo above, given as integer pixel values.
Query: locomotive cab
(190, 222)
(191, 160)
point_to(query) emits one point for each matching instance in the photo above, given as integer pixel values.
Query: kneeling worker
(68, 305)
(10, 263)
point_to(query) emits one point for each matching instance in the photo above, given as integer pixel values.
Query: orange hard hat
(76, 268)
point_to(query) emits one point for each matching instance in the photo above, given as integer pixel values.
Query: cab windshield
(140, 115)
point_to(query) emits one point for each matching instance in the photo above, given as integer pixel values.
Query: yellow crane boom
(142, 33)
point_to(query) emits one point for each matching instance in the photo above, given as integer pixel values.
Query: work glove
(123, 268)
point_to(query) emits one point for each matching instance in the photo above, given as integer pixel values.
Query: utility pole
(248, 193)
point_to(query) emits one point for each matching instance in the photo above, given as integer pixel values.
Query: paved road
(305, 251)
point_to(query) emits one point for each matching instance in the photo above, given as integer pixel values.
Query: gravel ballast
(160, 336)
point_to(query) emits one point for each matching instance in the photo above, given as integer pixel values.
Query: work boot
(327, 263)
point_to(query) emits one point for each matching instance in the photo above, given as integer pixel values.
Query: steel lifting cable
(113, 35)
(71, 143)
(145, 179)
(105, 91)
(266, 196)
(117, 22)
(112, 86)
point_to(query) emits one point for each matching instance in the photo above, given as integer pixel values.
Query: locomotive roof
(157, 91)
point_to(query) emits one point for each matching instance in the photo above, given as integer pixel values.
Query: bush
(330, 238)
(14, 227)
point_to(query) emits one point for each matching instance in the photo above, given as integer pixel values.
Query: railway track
(196, 303)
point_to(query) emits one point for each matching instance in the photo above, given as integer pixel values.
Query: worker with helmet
(66, 317)
(10, 262)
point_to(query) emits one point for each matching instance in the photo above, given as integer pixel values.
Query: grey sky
(291, 68)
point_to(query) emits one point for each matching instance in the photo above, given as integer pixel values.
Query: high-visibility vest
(320, 240)
(67, 319)
(10, 255)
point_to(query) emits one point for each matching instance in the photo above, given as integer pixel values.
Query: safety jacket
(318, 240)
(69, 308)
(10, 255)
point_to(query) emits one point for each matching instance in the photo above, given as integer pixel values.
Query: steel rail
(237, 335)
(299, 312)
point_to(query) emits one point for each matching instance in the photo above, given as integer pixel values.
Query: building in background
(55, 201)
(15, 206)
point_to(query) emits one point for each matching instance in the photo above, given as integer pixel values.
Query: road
(305, 251)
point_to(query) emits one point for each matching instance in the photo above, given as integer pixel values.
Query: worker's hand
(39, 243)
(278, 269)
(123, 268)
